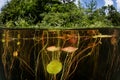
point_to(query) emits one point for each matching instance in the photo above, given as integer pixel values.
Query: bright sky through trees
(100, 3)
(38, 12)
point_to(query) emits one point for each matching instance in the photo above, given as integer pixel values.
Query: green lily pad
(54, 67)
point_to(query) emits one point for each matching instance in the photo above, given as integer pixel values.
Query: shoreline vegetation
(58, 14)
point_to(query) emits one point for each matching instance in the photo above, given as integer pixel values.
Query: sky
(2, 3)
(100, 3)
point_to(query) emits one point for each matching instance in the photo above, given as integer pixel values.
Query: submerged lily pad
(53, 48)
(54, 67)
(69, 49)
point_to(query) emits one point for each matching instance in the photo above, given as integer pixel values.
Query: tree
(28, 10)
(113, 15)
(62, 13)
(67, 1)
(91, 6)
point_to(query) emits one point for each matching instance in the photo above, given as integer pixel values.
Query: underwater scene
(60, 54)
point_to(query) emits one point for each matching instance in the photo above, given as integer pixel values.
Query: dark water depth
(85, 54)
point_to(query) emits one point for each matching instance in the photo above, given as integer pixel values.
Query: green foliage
(67, 1)
(54, 19)
(92, 5)
(113, 16)
(54, 67)
(68, 16)
(27, 9)
(57, 14)
(16, 24)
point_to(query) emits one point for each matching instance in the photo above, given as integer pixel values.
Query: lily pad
(54, 67)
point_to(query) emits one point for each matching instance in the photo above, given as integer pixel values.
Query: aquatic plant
(69, 49)
(54, 67)
(53, 54)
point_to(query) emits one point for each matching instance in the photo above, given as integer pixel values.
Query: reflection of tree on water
(84, 54)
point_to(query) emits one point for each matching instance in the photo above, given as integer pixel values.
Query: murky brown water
(83, 54)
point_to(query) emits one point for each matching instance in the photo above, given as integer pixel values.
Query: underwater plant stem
(102, 36)
(42, 55)
(5, 44)
(77, 56)
(78, 42)
(54, 77)
(45, 59)
(64, 67)
(29, 69)
(58, 44)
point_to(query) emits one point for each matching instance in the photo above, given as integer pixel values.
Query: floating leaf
(54, 67)
(53, 48)
(69, 49)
